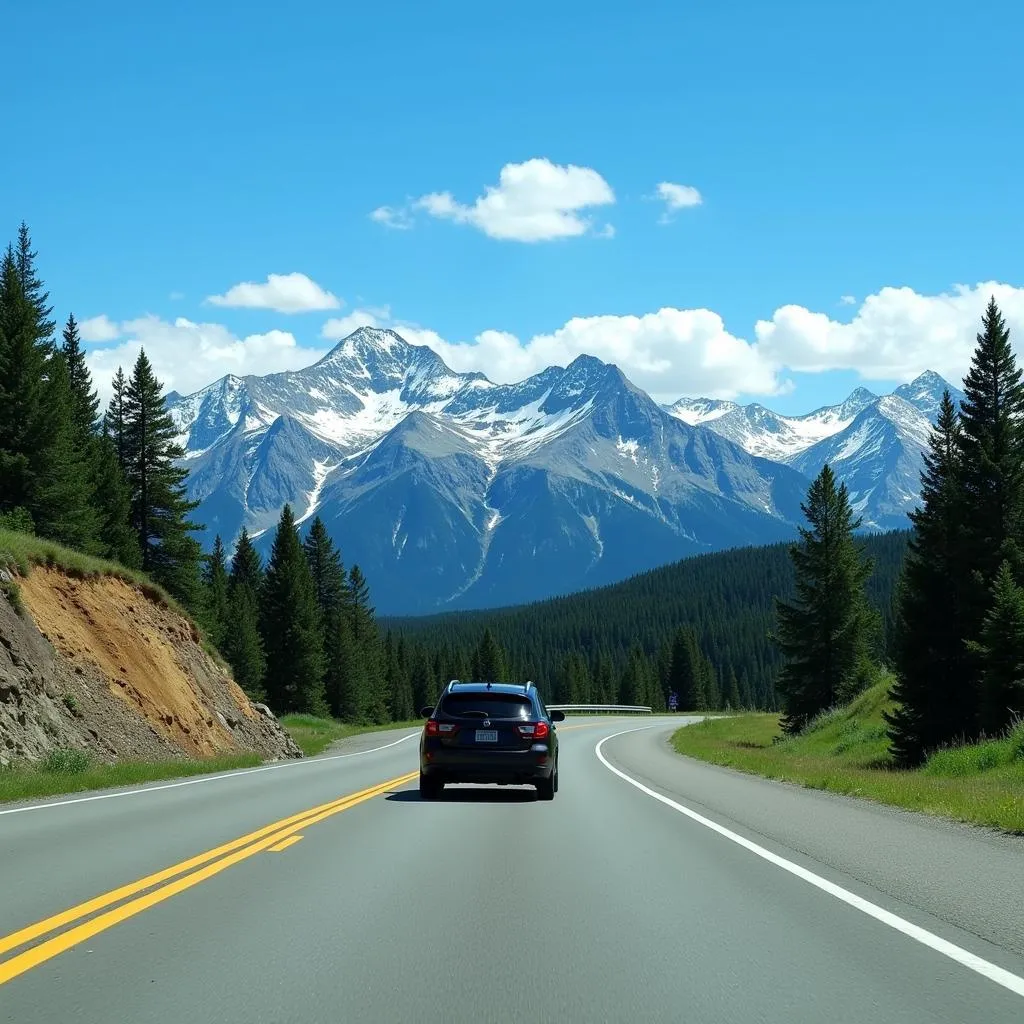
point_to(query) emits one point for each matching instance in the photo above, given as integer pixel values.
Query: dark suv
(491, 733)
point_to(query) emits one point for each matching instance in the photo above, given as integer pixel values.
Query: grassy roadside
(846, 751)
(314, 735)
(23, 550)
(71, 771)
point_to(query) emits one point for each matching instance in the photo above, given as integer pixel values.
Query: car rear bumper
(499, 766)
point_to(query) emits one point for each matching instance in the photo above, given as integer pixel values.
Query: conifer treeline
(958, 637)
(960, 641)
(699, 628)
(105, 485)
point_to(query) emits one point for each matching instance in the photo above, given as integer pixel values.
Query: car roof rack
(528, 685)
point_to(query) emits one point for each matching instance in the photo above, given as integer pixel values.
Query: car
(499, 733)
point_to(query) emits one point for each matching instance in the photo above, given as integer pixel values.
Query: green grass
(73, 771)
(847, 751)
(23, 550)
(314, 735)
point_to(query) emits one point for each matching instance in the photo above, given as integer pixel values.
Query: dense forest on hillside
(727, 598)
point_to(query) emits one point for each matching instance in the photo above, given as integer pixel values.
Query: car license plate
(487, 735)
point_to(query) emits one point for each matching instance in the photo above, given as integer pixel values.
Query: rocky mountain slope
(874, 443)
(452, 491)
(96, 665)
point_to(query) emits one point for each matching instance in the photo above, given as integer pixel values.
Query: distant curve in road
(652, 888)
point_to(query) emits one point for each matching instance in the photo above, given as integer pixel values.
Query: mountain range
(451, 491)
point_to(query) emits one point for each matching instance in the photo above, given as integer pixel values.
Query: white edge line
(204, 778)
(962, 956)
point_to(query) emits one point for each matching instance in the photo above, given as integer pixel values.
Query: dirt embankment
(95, 664)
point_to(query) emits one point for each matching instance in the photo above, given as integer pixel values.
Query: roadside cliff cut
(96, 664)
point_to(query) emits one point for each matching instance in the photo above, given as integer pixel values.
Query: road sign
(673, 701)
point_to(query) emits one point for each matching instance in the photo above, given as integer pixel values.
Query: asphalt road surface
(652, 888)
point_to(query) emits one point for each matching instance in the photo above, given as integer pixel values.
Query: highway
(653, 888)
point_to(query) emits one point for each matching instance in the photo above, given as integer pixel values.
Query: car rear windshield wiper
(472, 713)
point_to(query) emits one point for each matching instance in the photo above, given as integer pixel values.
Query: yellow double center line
(170, 881)
(201, 867)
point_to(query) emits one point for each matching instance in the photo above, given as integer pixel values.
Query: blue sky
(838, 150)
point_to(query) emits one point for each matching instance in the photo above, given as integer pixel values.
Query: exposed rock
(96, 665)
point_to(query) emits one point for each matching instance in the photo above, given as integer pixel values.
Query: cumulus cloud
(677, 197)
(894, 335)
(283, 293)
(535, 201)
(392, 217)
(339, 327)
(99, 328)
(665, 353)
(187, 356)
(848, 300)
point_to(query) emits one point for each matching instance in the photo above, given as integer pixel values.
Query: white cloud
(535, 201)
(283, 293)
(339, 327)
(677, 197)
(894, 335)
(187, 356)
(667, 353)
(848, 300)
(392, 217)
(99, 328)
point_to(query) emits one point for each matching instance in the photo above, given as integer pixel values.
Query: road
(652, 888)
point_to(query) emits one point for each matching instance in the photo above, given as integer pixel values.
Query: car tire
(430, 789)
(546, 787)
(556, 776)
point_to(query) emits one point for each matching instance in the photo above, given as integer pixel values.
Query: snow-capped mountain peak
(925, 392)
(446, 487)
(700, 410)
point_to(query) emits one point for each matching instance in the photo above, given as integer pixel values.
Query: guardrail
(599, 708)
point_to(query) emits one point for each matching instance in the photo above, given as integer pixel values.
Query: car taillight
(534, 730)
(441, 728)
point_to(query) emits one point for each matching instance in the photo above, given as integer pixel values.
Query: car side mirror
(426, 712)
(557, 716)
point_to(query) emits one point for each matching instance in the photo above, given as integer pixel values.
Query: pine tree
(1000, 652)
(733, 698)
(160, 507)
(243, 642)
(604, 680)
(215, 593)
(823, 634)
(114, 421)
(26, 430)
(935, 699)
(113, 501)
(38, 299)
(85, 401)
(291, 626)
(686, 672)
(63, 508)
(489, 660)
(632, 685)
(372, 695)
(400, 695)
(43, 469)
(330, 585)
(712, 691)
(424, 689)
(246, 565)
(991, 458)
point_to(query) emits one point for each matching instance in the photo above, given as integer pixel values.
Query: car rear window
(494, 705)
